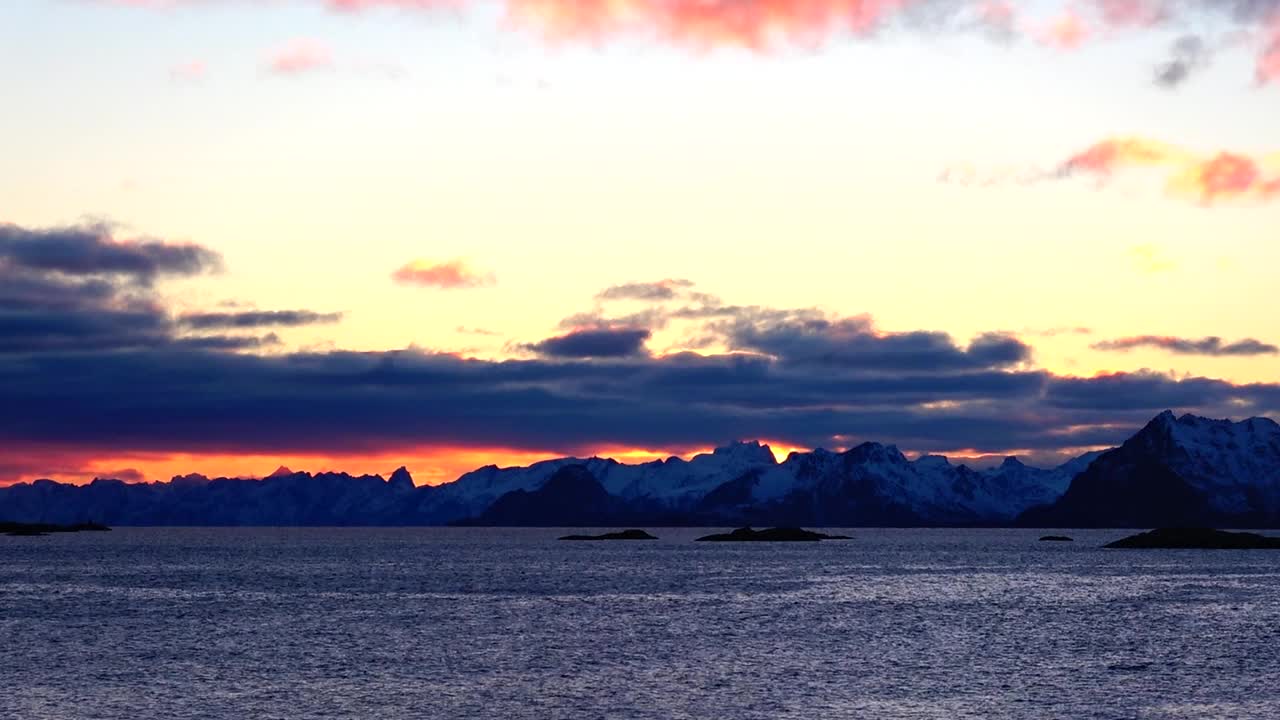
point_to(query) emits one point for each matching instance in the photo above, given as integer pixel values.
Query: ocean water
(386, 624)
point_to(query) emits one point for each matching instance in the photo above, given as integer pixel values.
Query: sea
(384, 624)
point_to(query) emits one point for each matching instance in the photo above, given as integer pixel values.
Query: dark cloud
(1211, 346)
(96, 361)
(1146, 391)
(1188, 54)
(41, 330)
(93, 251)
(82, 290)
(355, 402)
(594, 343)
(225, 342)
(256, 318)
(854, 343)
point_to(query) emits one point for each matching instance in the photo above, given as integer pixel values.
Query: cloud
(808, 338)
(93, 251)
(661, 290)
(256, 318)
(1066, 32)
(1268, 69)
(1211, 346)
(1133, 13)
(754, 24)
(80, 289)
(347, 402)
(449, 275)
(1206, 179)
(358, 5)
(1187, 55)
(73, 367)
(298, 56)
(774, 25)
(594, 343)
(1146, 391)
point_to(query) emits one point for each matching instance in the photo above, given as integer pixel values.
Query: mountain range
(1174, 471)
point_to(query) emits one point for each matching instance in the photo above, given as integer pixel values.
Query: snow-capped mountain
(871, 484)
(1184, 470)
(1178, 471)
(284, 498)
(673, 482)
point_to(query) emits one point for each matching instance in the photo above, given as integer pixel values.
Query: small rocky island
(1196, 539)
(15, 529)
(623, 535)
(780, 534)
(1056, 538)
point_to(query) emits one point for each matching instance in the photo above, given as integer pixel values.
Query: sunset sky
(356, 234)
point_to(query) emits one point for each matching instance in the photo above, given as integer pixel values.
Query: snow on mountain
(742, 481)
(1184, 469)
(1235, 464)
(1178, 471)
(871, 483)
(930, 489)
(674, 481)
(280, 499)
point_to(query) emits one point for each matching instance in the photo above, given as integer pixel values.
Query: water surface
(482, 623)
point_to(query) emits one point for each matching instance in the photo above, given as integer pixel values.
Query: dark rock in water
(1197, 539)
(624, 535)
(38, 529)
(781, 534)
(1056, 538)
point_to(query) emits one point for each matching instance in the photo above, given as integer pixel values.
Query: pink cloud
(702, 24)
(1067, 32)
(1269, 60)
(1208, 179)
(300, 56)
(1132, 13)
(449, 275)
(357, 5)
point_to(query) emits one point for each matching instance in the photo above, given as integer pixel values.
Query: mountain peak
(933, 461)
(401, 478)
(875, 452)
(1012, 462)
(752, 451)
(281, 471)
(190, 479)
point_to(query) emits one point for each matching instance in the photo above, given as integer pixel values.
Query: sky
(356, 234)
